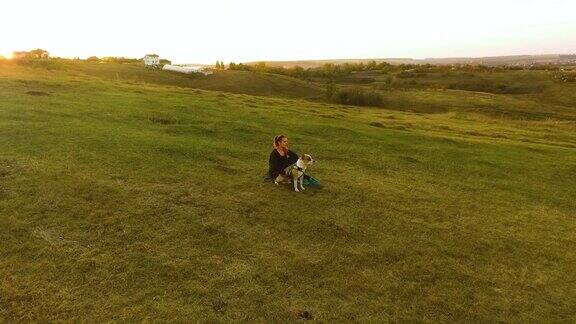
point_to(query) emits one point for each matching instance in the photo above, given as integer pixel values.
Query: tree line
(332, 71)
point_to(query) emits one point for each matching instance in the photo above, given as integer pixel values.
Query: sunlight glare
(6, 54)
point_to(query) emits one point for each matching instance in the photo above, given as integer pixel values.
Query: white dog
(296, 171)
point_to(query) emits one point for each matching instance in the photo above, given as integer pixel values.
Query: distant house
(151, 60)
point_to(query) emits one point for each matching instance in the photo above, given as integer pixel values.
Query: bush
(565, 77)
(406, 75)
(357, 96)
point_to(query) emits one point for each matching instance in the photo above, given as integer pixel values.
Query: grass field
(133, 201)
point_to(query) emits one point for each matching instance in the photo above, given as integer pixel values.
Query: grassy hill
(243, 82)
(126, 201)
(511, 94)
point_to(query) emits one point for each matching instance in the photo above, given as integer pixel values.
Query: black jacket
(277, 163)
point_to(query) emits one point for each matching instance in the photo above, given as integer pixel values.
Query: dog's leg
(279, 179)
(296, 184)
(302, 182)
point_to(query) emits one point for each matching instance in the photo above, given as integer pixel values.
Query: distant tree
(260, 67)
(384, 66)
(389, 80)
(93, 59)
(121, 60)
(297, 72)
(243, 67)
(232, 66)
(371, 65)
(38, 54)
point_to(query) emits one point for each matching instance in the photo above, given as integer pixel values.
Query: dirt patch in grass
(219, 305)
(443, 127)
(401, 127)
(163, 120)
(38, 93)
(409, 159)
(377, 124)
(225, 169)
(306, 315)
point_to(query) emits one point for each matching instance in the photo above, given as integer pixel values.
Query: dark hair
(278, 139)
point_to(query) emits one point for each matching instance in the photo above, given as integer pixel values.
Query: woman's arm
(292, 157)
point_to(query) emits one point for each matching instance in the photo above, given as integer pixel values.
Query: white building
(151, 60)
(187, 69)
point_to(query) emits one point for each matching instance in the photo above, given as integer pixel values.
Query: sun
(6, 54)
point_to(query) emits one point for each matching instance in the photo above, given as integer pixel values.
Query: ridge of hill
(510, 60)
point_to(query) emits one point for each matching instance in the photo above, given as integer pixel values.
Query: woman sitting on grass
(281, 157)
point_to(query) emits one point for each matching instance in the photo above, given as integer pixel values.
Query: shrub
(357, 96)
(406, 75)
(565, 76)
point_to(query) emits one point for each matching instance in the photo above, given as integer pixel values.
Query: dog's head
(307, 159)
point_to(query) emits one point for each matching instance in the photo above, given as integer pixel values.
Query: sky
(254, 30)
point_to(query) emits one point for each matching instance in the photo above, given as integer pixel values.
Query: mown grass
(132, 202)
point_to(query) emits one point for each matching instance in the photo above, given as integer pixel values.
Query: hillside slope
(242, 82)
(144, 202)
(510, 94)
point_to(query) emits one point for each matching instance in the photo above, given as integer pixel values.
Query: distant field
(510, 60)
(127, 199)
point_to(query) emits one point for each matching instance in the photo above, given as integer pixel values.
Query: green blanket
(308, 181)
